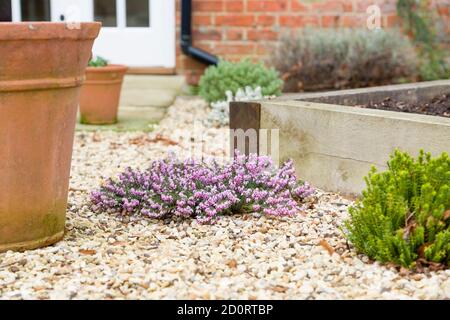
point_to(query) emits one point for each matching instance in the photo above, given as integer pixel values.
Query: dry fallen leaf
(421, 250)
(327, 246)
(96, 138)
(114, 145)
(159, 138)
(280, 289)
(138, 141)
(87, 252)
(433, 266)
(263, 230)
(145, 285)
(39, 288)
(164, 140)
(404, 272)
(120, 243)
(232, 264)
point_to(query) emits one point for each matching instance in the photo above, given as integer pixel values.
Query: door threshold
(151, 70)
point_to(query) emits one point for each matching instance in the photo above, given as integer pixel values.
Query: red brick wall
(234, 29)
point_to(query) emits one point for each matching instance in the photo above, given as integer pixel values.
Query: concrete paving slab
(172, 82)
(150, 91)
(144, 102)
(147, 97)
(130, 119)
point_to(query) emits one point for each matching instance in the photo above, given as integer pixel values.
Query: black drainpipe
(186, 37)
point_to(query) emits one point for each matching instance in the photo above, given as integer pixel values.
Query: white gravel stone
(241, 257)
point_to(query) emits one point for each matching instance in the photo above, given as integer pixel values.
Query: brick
(266, 6)
(298, 6)
(207, 35)
(234, 6)
(190, 63)
(234, 34)
(353, 21)
(207, 6)
(202, 20)
(235, 20)
(262, 35)
(204, 45)
(391, 21)
(299, 21)
(445, 11)
(266, 20)
(362, 5)
(389, 7)
(236, 58)
(235, 49)
(386, 6)
(330, 6)
(330, 21)
(347, 6)
(235, 29)
(193, 77)
(262, 49)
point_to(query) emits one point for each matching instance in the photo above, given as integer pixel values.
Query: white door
(71, 10)
(137, 33)
(144, 34)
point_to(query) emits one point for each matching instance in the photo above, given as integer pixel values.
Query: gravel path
(240, 257)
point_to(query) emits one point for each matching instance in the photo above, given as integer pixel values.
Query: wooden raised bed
(333, 143)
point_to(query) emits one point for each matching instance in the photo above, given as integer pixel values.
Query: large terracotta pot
(42, 68)
(100, 95)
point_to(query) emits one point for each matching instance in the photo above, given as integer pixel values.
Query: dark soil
(438, 106)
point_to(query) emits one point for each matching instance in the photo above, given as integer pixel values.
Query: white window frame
(121, 13)
(16, 11)
(161, 31)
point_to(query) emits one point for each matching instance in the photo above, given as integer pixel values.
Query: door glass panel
(105, 12)
(5, 10)
(138, 13)
(35, 10)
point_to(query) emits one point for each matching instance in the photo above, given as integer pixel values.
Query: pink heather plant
(205, 190)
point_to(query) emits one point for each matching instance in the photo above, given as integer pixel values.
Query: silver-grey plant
(220, 110)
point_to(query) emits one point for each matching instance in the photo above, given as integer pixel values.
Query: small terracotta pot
(100, 95)
(42, 68)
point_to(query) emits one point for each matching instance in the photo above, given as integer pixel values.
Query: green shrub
(434, 66)
(233, 76)
(404, 214)
(192, 90)
(98, 62)
(420, 21)
(324, 59)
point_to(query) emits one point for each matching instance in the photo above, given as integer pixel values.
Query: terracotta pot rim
(48, 30)
(108, 68)
(41, 84)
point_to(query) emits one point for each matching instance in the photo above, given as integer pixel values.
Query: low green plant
(232, 76)
(192, 90)
(404, 214)
(98, 62)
